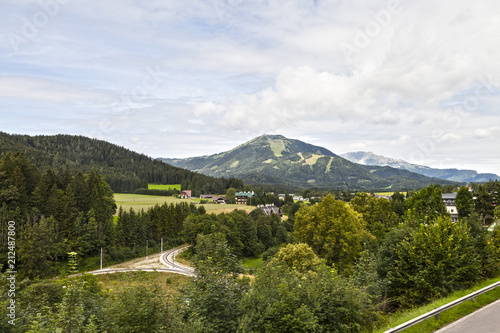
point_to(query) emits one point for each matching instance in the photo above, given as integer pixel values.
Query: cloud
(48, 91)
(233, 69)
(482, 133)
(207, 109)
(402, 140)
(449, 137)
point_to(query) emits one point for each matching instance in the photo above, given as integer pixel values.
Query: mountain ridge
(451, 174)
(278, 159)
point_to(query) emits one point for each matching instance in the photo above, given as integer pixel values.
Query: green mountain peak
(275, 159)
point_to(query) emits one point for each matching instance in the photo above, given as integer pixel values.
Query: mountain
(124, 170)
(274, 159)
(456, 175)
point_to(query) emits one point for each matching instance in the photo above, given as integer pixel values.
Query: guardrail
(435, 313)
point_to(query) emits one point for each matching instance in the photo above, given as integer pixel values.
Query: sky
(413, 80)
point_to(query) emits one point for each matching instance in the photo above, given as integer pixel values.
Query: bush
(433, 261)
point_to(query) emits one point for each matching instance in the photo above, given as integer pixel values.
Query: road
(166, 263)
(484, 320)
(168, 259)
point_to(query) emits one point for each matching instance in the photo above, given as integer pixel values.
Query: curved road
(167, 259)
(484, 320)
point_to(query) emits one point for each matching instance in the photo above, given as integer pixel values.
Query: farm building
(186, 194)
(243, 197)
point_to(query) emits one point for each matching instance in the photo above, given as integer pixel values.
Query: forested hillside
(124, 170)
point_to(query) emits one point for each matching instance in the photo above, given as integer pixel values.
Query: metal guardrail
(437, 311)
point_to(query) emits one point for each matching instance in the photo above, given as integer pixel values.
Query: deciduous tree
(333, 230)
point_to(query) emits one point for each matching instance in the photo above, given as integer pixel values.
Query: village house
(186, 194)
(243, 197)
(270, 209)
(214, 198)
(451, 205)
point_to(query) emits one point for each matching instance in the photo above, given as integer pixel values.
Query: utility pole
(101, 258)
(161, 245)
(146, 249)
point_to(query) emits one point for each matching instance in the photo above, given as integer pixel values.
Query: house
(451, 205)
(219, 200)
(243, 197)
(186, 194)
(269, 209)
(214, 198)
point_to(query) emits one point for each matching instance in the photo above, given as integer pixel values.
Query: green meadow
(164, 187)
(140, 201)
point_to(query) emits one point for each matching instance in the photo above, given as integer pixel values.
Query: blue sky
(417, 81)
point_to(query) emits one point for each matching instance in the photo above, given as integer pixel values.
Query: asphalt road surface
(484, 320)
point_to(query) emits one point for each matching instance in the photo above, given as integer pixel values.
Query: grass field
(140, 201)
(388, 193)
(164, 187)
(168, 282)
(252, 263)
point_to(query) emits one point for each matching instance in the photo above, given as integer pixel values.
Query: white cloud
(233, 69)
(402, 140)
(482, 133)
(449, 137)
(48, 91)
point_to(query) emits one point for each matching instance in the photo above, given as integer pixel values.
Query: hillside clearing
(164, 187)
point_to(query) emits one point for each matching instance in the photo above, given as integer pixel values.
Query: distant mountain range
(274, 159)
(456, 175)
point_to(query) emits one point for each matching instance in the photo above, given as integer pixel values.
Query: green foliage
(34, 248)
(398, 203)
(377, 213)
(213, 297)
(297, 256)
(138, 309)
(427, 203)
(284, 300)
(247, 235)
(433, 261)
(333, 230)
(366, 277)
(463, 200)
(483, 204)
(230, 195)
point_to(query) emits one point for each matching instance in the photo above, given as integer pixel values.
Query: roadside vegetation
(446, 317)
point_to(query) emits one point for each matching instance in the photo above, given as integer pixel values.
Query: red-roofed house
(185, 194)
